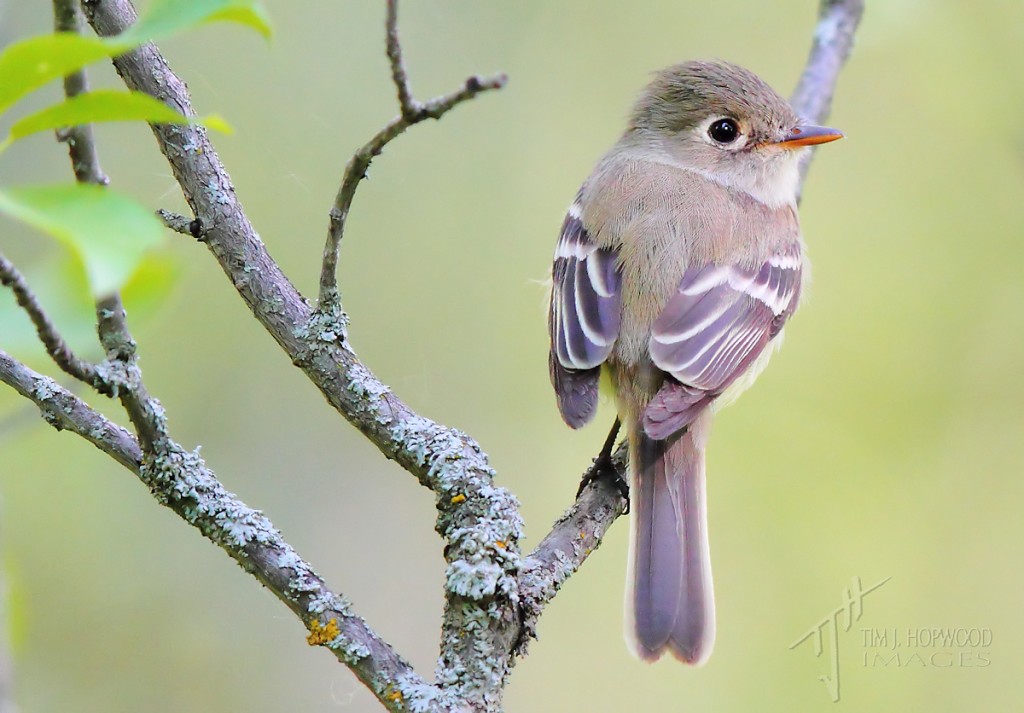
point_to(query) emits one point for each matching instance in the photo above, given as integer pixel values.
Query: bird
(679, 263)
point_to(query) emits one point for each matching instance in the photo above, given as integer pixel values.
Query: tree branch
(411, 112)
(55, 345)
(572, 539)
(181, 481)
(67, 17)
(479, 521)
(66, 412)
(833, 42)
(408, 105)
(85, 163)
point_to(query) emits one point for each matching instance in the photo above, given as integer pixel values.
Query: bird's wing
(713, 328)
(583, 319)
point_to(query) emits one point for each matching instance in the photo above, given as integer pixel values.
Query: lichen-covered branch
(479, 521)
(178, 223)
(66, 412)
(411, 112)
(180, 480)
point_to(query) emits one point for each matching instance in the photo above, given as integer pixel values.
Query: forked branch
(410, 112)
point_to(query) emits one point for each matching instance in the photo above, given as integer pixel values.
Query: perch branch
(831, 47)
(572, 539)
(411, 112)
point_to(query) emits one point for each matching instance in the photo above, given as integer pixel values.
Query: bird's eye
(724, 131)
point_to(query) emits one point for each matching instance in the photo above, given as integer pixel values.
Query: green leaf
(106, 105)
(109, 232)
(150, 284)
(29, 64)
(167, 17)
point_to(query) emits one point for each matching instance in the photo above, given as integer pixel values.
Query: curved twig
(411, 112)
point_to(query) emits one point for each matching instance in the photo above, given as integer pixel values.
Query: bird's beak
(808, 135)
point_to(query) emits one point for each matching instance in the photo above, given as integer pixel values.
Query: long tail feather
(669, 600)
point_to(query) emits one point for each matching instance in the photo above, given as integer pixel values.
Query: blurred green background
(885, 440)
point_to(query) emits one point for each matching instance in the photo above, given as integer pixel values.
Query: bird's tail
(669, 597)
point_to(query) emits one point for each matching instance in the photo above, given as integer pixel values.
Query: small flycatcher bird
(678, 265)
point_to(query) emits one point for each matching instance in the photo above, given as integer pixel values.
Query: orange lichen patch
(500, 544)
(395, 696)
(320, 634)
(460, 498)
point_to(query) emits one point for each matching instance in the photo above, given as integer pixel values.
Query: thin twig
(67, 17)
(411, 112)
(85, 164)
(54, 343)
(408, 105)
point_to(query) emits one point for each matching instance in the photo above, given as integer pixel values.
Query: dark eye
(724, 131)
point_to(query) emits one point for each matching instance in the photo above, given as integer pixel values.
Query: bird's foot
(603, 468)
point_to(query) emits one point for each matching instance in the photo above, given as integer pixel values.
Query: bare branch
(479, 521)
(81, 147)
(411, 112)
(55, 345)
(833, 42)
(409, 106)
(180, 480)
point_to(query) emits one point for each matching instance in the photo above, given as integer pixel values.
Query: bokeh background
(886, 440)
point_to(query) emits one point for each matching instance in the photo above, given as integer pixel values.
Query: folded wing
(713, 328)
(583, 319)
